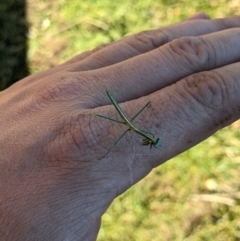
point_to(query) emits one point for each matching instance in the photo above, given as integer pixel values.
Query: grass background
(195, 196)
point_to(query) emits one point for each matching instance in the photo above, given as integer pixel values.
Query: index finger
(146, 41)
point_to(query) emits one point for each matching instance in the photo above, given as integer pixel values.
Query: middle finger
(154, 70)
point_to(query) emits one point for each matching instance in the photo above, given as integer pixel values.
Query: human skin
(52, 184)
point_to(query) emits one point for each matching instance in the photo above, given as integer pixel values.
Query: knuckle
(198, 52)
(208, 89)
(75, 134)
(57, 90)
(149, 39)
(141, 42)
(211, 96)
(80, 132)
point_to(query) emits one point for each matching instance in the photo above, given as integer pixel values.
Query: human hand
(53, 187)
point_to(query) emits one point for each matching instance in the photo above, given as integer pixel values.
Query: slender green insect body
(148, 137)
(128, 123)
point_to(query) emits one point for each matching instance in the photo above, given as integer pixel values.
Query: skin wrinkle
(77, 188)
(147, 39)
(134, 48)
(56, 142)
(106, 131)
(66, 90)
(193, 50)
(63, 136)
(214, 82)
(48, 94)
(23, 212)
(129, 51)
(167, 35)
(186, 117)
(89, 135)
(172, 111)
(225, 89)
(72, 136)
(71, 211)
(73, 130)
(30, 103)
(211, 58)
(68, 214)
(218, 88)
(216, 91)
(95, 100)
(199, 90)
(166, 54)
(70, 81)
(69, 131)
(98, 130)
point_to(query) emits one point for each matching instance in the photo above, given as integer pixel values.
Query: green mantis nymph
(148, 137)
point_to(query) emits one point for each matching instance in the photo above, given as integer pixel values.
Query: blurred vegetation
(195, 196)
(13, 42)
(65, 28)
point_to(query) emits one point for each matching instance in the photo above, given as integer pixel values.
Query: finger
(84, 55)
(146, 41)
(136, 44)
(162, 67)
(195, 108)
(199, 15)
